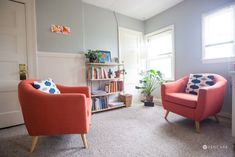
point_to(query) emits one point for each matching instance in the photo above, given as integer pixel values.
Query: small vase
(117, 74)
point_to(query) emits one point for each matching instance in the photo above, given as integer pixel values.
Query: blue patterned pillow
(47, 86)
(197, 81)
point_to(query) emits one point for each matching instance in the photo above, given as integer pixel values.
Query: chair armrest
(210, 100)
(81, 89)
(177, 86)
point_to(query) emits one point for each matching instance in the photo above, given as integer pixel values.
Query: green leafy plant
(151, 79)
(93, 55)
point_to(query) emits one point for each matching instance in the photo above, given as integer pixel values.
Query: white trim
(130, 31)
(58, 54)
(162, 30)
(64, 68)
(31, 36)
(225, 115)
(170, 27)
(218, 60)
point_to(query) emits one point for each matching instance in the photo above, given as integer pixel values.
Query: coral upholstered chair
(197, 107)
(55, 114)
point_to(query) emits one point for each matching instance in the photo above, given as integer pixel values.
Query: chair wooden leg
(34, 142)
(84, 140)
(167, 112)
(197, 126)
(216, 118)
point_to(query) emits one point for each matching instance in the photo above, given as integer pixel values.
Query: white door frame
(131, 31)
(136, 97)
(31, 36)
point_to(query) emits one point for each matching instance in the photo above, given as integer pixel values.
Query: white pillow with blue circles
(47, 86)
(198, 81)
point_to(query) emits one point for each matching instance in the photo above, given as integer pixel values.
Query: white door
(12, 53)
(130, 47)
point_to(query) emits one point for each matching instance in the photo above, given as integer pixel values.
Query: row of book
(114, 86)
(97, 73)
(99, 103)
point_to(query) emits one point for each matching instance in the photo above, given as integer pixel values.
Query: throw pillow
(47, 86)
(197, 81)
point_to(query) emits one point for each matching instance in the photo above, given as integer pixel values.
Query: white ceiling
(139, 9)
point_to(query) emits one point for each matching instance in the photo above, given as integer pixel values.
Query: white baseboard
(225, 115)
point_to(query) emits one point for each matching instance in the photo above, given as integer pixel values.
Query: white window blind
(160, 52)
(218, 34)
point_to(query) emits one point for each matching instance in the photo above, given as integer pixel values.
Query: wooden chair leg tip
(34, 142)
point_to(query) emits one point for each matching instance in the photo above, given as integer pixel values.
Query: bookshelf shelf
(109, 79)
(109, 108)
(104, 64)
(106, 94)
(101, 77)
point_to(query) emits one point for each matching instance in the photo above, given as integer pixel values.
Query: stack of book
(114, 86)
(99, 103)
(97, 73)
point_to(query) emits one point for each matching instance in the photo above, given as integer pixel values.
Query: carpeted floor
(129, 132)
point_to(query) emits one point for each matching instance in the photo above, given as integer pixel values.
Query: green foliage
(151, 79)
(93, 55)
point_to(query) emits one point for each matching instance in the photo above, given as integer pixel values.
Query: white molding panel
(63, 68)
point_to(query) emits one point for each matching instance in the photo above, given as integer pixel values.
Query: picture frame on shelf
(105, 57)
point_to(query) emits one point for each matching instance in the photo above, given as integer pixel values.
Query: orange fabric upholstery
(208, 102)
(55, 114)
(187, 100)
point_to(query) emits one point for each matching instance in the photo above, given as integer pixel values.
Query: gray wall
(91, 27)
(186, 18)
(101, 28)
(61, 12)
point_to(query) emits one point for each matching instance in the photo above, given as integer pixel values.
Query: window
(161, 52)
(218, 35)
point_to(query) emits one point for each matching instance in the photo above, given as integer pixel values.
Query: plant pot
(117, 74)
(91, 60)
(149, 98)
(149, 104)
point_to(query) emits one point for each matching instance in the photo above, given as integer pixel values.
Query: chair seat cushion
(184, 99)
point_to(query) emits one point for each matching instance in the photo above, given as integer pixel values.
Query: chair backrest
(218, 80)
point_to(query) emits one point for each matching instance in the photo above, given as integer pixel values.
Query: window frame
(222, 59)
(159, 31)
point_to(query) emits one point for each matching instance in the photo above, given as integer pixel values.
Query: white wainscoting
(63, 68)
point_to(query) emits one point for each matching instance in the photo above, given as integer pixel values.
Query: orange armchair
(207, 103)
(55, 114)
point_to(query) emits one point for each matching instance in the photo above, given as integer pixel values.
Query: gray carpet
(129, 132)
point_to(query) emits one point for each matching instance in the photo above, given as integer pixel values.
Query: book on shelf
(98, 92)
(97, 73)
(99, 103)
(114, 86)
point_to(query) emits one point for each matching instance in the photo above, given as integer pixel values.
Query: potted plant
(93, 55)
(119, 72)
(150, 82)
